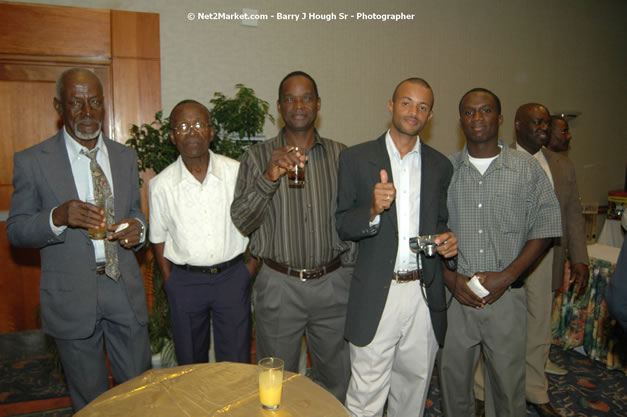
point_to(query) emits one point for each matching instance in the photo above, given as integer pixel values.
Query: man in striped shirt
(302, 287)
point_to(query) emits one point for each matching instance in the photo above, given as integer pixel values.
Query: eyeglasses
(185, 128)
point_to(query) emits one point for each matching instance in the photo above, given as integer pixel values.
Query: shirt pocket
(509, 213)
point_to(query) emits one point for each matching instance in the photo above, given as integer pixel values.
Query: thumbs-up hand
(383, 196)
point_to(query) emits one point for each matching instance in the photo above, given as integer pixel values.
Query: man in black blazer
(390, 190)
(84, 297)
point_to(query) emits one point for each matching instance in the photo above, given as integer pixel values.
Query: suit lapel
(55, 163)
(426, 193)
(553, 164)
(381, 160)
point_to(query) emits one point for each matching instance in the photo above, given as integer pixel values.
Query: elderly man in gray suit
(390, 190)
(91, 286)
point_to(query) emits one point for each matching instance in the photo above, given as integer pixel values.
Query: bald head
(75, 74)
(532, 123)
(526, 109)
(191, 102)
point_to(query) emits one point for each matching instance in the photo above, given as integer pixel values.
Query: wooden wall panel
(135, 98)
(133, 35)
(19, 286)
(28, 99)
(86, 32)
(136, 70)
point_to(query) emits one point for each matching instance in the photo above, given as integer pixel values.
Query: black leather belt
(406, 276)
(305, 274)
(100, 268)
(213, 269)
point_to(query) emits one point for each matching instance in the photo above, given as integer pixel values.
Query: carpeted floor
(589, 389)
(29, 375)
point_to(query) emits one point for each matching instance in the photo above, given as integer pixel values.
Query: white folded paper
(477, 288)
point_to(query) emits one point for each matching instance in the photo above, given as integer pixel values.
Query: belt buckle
(399, 273)
(213, 270)
(101, 268)
(300, 274)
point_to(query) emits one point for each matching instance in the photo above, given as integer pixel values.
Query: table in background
(584, 320)
(222, 389)
(612, 233)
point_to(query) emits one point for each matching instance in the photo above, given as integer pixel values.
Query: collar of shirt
(183, 175)
(74, 148)
(317, 141)
(539, 156)
(504, 159)
(393, 151)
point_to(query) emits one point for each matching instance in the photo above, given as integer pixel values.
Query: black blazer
(359, 171)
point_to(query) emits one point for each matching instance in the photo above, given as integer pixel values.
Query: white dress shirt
(193, 219)
(406, 173)
(541, 159)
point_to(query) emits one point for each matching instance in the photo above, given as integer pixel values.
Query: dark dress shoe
(546, 410)
(479, 408)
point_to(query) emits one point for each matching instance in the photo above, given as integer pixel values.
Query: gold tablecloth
(215, 389)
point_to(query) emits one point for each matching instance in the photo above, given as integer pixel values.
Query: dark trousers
(195, 298)
(126, 341)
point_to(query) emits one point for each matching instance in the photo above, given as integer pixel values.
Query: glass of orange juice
(270, 382)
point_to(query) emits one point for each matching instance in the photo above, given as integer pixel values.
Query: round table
(211, 389)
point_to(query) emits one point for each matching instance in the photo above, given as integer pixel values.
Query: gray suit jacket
(42, 180)
(359, 171)
(572, 244)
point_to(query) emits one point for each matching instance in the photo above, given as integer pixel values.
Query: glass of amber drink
(98, 233)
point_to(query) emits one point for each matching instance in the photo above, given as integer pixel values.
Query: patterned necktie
(102, 191)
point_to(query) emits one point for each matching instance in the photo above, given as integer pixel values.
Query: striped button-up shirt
(291, 226)
(494, 215)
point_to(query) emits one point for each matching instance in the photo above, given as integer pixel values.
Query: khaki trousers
(497, 330)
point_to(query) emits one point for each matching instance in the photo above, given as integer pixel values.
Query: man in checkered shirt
(504, 213)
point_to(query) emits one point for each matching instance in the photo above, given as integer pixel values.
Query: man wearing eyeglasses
(198, 249)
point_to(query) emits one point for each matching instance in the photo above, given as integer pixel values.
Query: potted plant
(237, 120)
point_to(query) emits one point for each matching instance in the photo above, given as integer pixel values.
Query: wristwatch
(142, 231)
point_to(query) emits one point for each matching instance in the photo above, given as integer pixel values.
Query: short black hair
(558, 117)
(296, 74)
(417, 81)
(481, 90)
(187, 101)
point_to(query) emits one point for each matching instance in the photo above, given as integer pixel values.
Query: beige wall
(566, 54)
